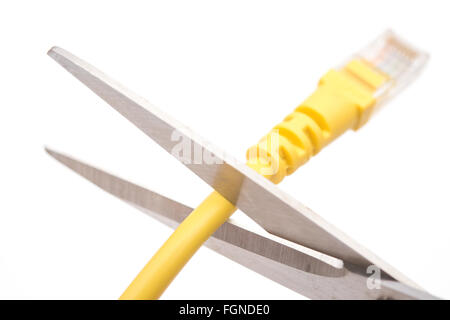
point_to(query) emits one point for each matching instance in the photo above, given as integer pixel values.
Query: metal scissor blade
(318, 277)
(260, 199)
(173, 213)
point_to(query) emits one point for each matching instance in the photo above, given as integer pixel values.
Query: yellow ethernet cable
(344, 99)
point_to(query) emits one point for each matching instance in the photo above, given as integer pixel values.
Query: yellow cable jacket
(190, 235)
(159, 272)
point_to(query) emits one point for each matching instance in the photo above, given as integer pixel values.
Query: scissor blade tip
(51, 152)
(55, 51)
(52, 50)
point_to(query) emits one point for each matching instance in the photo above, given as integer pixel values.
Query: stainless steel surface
(312, 277)
(273, 209)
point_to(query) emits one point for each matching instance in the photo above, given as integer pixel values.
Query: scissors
(301, 250)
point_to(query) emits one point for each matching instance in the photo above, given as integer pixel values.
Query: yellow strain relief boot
(343, 100)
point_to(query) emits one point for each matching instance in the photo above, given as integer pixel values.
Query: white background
(230, 70)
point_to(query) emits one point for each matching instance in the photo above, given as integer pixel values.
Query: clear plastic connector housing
(397, 59)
